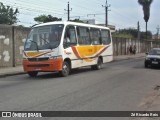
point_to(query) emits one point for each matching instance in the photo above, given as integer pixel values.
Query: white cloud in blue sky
(123, 14)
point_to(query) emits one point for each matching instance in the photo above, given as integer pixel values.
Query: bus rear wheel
(32, 74)
(65, 69)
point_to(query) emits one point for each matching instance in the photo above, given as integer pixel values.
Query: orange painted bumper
(44, 66)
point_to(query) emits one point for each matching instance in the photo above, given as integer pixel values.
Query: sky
(122, 14)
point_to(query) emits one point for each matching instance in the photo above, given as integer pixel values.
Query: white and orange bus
(62, 46)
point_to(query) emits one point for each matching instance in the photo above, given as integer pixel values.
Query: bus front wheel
(98, 66)
(32, 74)
(65, 69)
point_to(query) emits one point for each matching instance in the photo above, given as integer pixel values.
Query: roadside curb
(127, 58)
(12, 74)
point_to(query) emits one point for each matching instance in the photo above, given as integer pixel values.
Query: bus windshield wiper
(36, 44)
(46, 42)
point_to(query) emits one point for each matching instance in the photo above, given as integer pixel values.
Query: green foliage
(143, 35)
(77, 20)
(132, 34)
(146, 8)
(7, 14)
(21, 26)
(46, 18)
(126, 33)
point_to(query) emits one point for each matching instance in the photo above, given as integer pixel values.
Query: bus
(63, 46)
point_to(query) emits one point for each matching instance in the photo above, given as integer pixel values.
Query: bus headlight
(56, 57)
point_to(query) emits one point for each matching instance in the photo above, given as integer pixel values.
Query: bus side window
(69, 37)
(105, 37)
(83, 36)
(95, 36)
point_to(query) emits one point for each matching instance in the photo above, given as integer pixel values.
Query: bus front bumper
(43, 66)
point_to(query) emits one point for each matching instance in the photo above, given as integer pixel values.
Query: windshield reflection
(154, 52)
(44, 37)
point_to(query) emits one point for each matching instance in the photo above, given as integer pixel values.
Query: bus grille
(38, 59)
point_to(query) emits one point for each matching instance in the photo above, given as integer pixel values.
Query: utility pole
(68, 11)
(158, 28)
(106, 10)
(138, 28)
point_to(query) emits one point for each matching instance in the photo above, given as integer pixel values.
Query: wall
(5, 46)
(121, 45)
(20, 35)
(11, 45)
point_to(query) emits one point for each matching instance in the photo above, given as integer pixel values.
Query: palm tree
(146, 10)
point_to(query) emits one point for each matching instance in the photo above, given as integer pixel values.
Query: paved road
(119, 86)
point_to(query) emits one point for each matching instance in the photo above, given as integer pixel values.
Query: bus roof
(70, 23)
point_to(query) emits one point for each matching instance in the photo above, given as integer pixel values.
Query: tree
(143, 35)
(146, 10)
(77, 20)
(48, 18)
(126, 33)
(7, 14)
(131, 33)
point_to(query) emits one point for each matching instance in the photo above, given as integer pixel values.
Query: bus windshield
(44, 37)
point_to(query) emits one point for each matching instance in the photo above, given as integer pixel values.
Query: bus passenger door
(70, 46)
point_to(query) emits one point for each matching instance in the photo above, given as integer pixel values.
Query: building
(111, 27)
(156, 37)
(90, 21)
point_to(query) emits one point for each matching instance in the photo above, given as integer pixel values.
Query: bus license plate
(38, 69)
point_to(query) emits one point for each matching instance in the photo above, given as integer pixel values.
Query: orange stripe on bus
(75, 52)
(101, 51)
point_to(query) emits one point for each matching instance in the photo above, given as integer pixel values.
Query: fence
(12, 41)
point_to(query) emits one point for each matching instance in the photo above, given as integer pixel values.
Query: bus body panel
(88, 55)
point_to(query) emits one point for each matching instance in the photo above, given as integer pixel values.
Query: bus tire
(65, 69)
(32, 74)
(98, 66)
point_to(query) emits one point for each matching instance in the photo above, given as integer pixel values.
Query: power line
(28, 7)
(95, 14)
(33, 8)
(38, 5)
(80, 6)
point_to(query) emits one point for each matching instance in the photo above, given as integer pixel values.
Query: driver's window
(69, 37)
